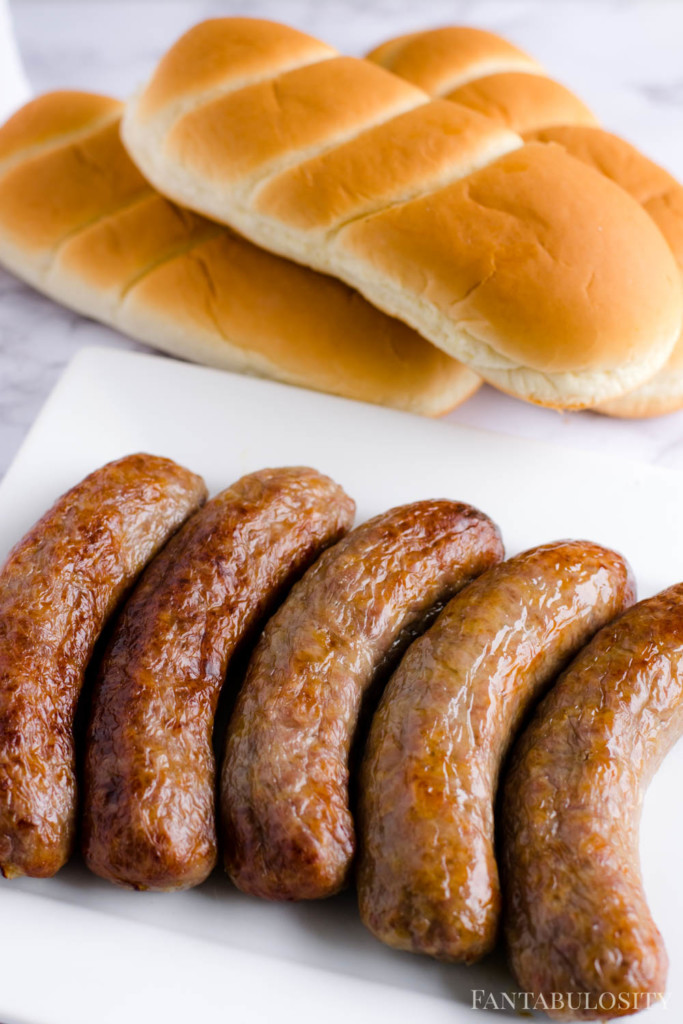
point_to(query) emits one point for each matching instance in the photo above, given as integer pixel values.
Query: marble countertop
(622, 57)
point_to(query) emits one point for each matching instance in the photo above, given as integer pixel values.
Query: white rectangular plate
(76, 950)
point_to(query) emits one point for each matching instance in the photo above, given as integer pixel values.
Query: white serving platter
(76, 950)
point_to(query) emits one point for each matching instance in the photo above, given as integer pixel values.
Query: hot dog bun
(487, 73)
(79, 222)
(533, 269)
(661, 196)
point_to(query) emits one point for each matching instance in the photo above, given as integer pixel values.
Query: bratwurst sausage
(576, 918)
(287, 828)
(149, 772)
(58, 587)
(427, 875)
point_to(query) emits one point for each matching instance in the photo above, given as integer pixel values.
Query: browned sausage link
(288, 831)
(576, 917)
(427, 876)
(57, 589)
(149, 773)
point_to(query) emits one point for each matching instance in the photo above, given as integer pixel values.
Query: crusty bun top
(535, 270)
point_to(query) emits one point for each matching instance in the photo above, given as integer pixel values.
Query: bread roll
(661, 196)
(457, 62)
(522, 101)
(440, 60)
(483, 72)
(80, 223)
(533, 269)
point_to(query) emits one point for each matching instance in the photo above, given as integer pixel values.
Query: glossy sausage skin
(577, 919)
(427, 875)
(287, 827)
(58, 587)
(149, 773)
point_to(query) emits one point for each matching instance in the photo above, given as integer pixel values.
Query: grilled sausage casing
(287, 828)
(576, 916)
(57, 589)
(427, 875)
(149, 773)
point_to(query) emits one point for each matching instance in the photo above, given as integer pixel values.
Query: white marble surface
(623, 57)
(14, 88)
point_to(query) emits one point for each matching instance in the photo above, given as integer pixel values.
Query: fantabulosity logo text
(556, 1002)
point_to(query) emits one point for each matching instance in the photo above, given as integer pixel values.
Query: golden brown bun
(79, 222)
(442, 59)
(52, 194)
(249, 133)
(60, 116)
(349, 181)
(650, 185)
(484, 72)
(221, 51)
(542, 110)
(661, 195)
(522, 102)
(499, 297)
(533, 269)
(287, 322)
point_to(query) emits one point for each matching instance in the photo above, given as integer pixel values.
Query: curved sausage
(287, 828)
(149, 771)
(576, 917)
(58, 587)
(427, 875)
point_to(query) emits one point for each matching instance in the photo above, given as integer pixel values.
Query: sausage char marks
(577, 919)
(288, 831)
(58, 588)
(149, 771)
(427, 874)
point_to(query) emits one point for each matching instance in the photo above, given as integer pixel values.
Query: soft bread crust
(542, 110)
(353, 180)
(60, 116)
(310, 331)
(219, 55)
(484, 72)
(310, 107)
(654, 188)
(442, 59)
(55, 193)
(79, 223)
(496, 293)
(661, 196)
(560, 289)
(659, 396)
(523, 101)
